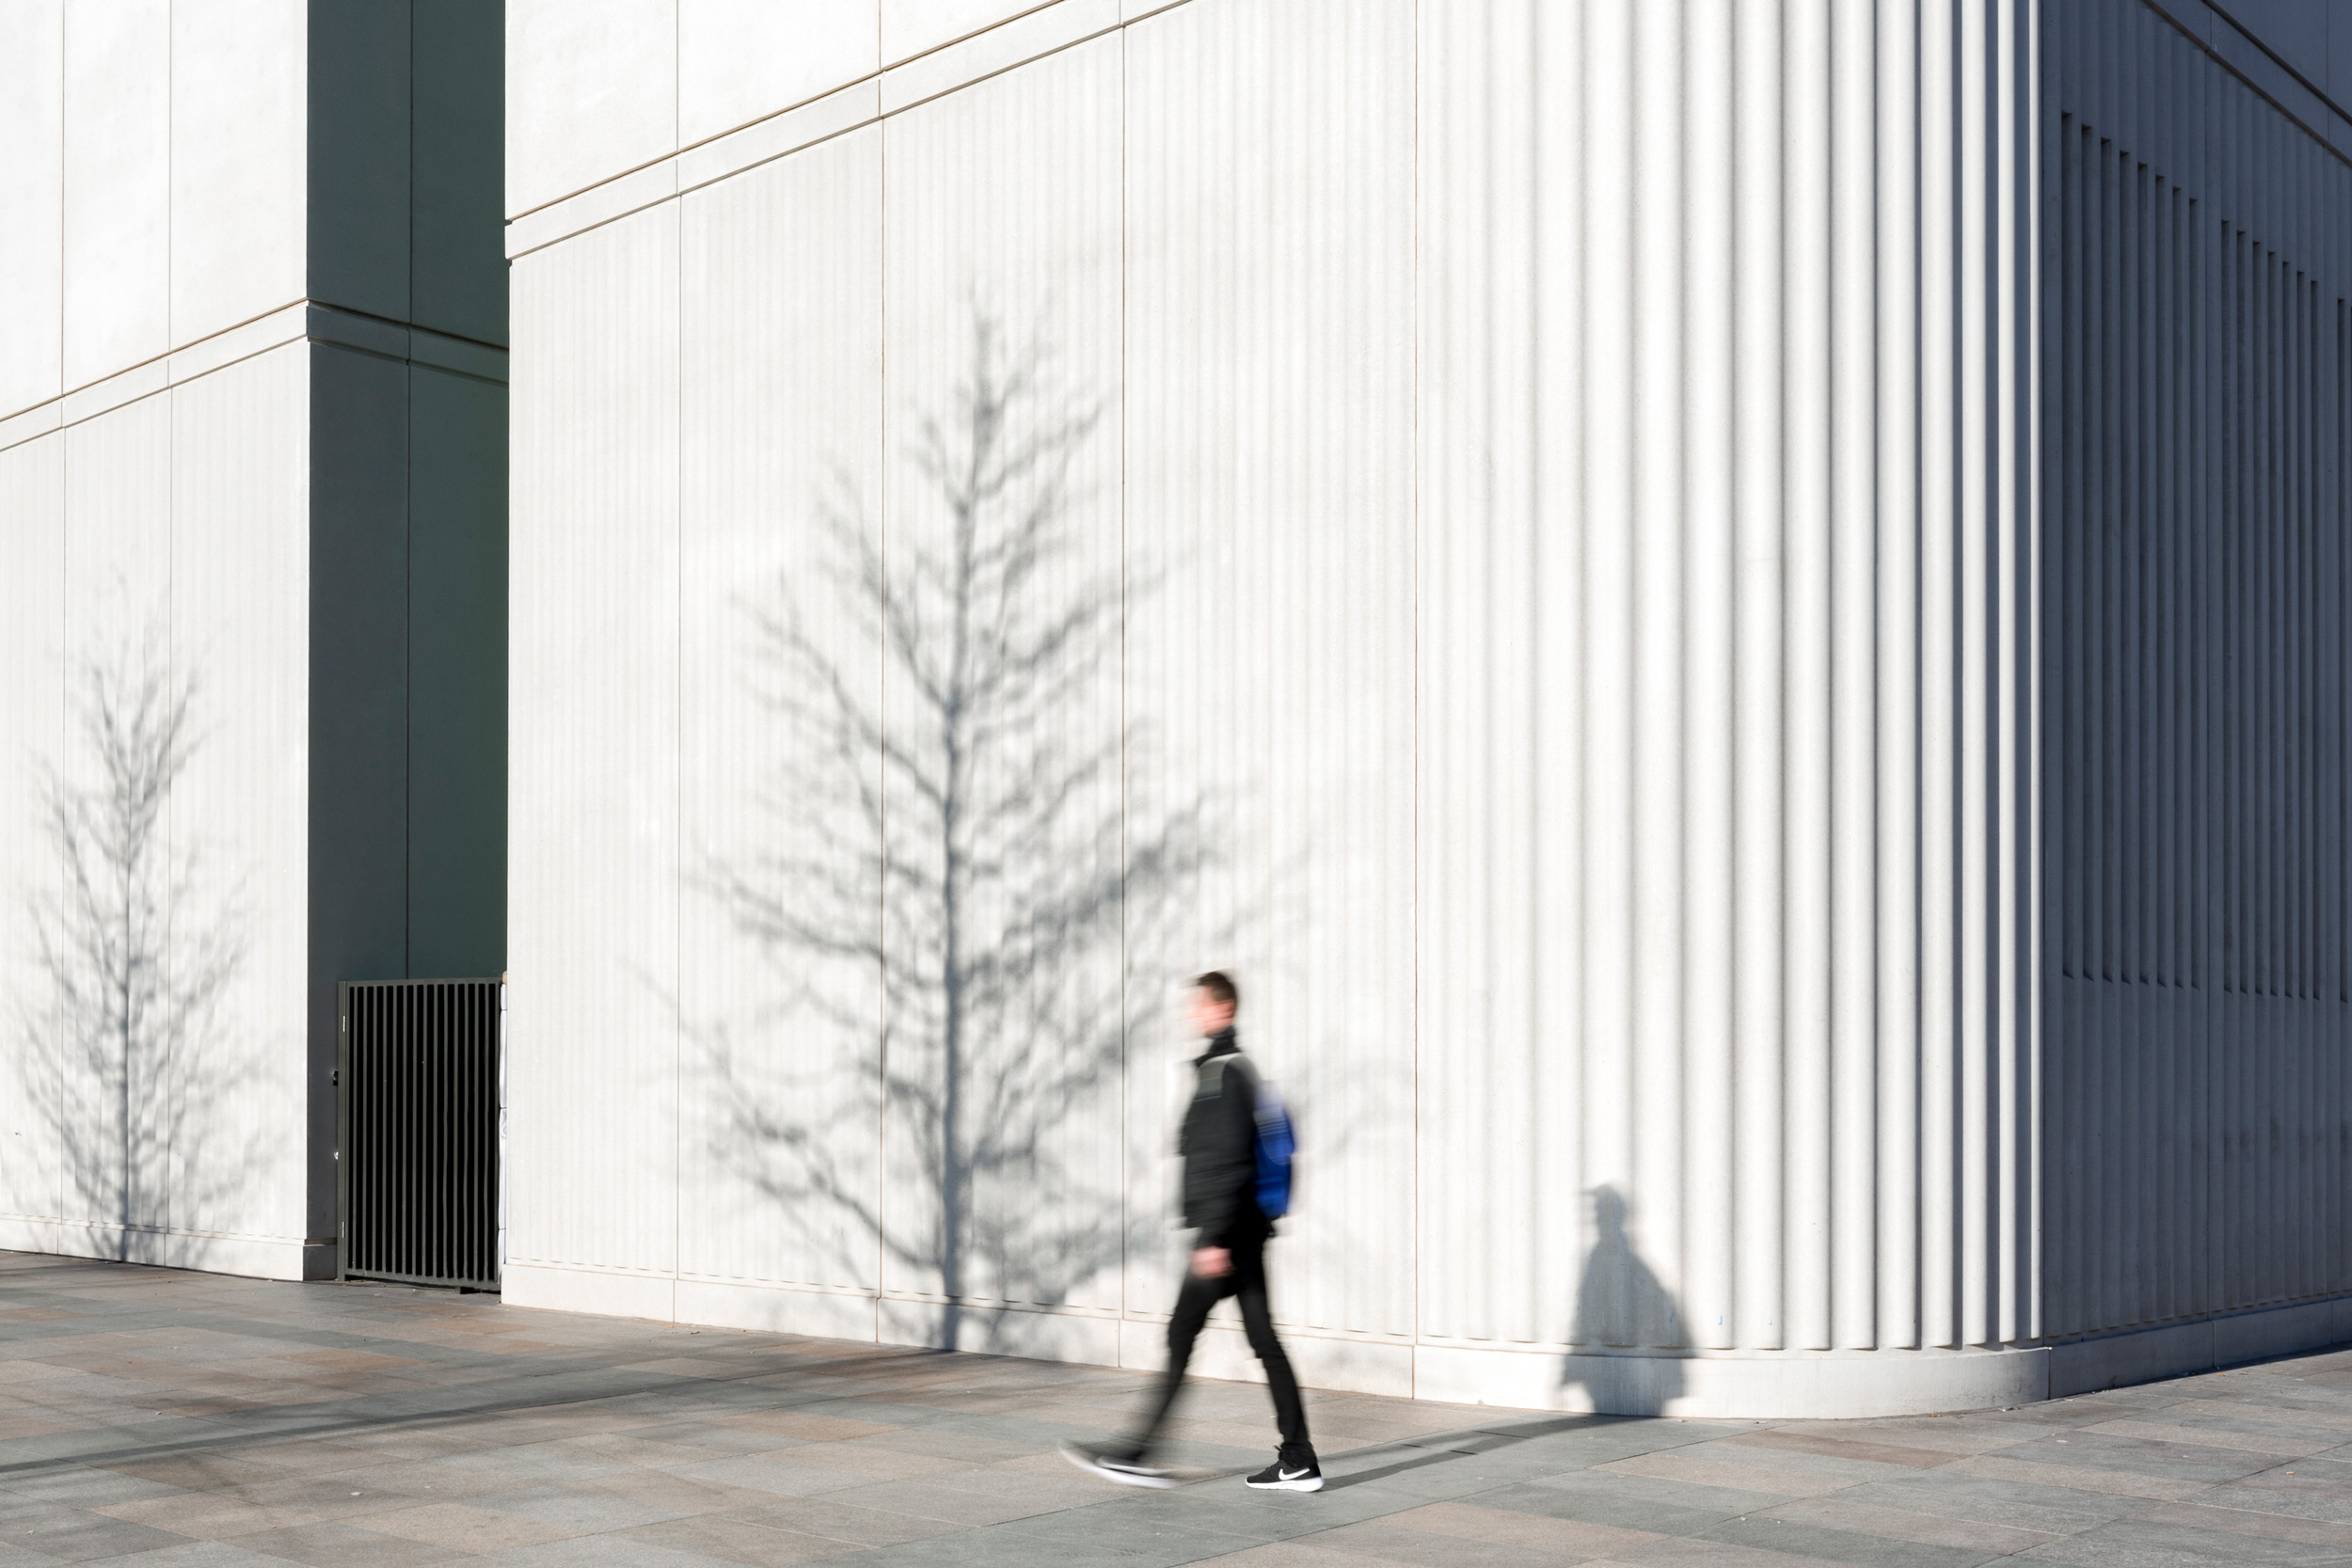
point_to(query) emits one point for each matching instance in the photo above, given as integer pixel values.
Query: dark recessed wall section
(457, 675)
(457, 139)
(360, 107)
(2195, 586)
(359, 703)
(2303, 33)
(408, 279)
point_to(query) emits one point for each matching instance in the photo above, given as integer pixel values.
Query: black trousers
(1246, 1281)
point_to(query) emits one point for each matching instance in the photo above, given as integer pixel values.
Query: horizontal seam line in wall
(65, 1224)
(803, 103)
(142, 364)
(381, 354)
(814, 141)
(228, 364)
(407, 326)
(211, 337)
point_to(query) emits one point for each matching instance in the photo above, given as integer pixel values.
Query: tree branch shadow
(947, 875)
(137, 940)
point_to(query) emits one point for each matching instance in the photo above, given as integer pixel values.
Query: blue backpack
(1277, 1144)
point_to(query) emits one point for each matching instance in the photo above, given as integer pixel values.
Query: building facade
(252, 558)
(1725, 610)
(1729, 612)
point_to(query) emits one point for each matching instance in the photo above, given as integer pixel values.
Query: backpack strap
(1213, 1073)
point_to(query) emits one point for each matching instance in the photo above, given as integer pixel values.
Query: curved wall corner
(1739, 1385)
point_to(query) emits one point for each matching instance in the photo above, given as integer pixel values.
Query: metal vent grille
(418, 1161)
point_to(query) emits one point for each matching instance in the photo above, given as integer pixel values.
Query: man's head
(1215, 1000)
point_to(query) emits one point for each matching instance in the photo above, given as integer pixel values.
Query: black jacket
(1219, 1145)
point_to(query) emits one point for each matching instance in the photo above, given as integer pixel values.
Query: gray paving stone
(602, 1551)
(2021, 1505)
(585, 1512)
(602, 1428)
(2108, 1547)
(1840, 1546)
(74, 1535)
(196, 1554)
(1628, 1502)
(2115, 1541)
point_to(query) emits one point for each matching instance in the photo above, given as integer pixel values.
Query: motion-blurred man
(1220, 1148)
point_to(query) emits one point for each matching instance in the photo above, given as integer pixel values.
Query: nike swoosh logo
(1292, 1475)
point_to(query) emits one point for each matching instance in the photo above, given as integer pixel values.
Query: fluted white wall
(1569, 499)
(1725, 817)
(1575, 478)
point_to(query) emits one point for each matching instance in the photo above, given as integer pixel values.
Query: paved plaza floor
(188, 1421)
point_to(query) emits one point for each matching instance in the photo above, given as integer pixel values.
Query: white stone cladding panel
(118, 186)
(32, 716)
(239, 122)
(593, 825)
(743, 60)
(591, 91)
(781, 351)
(114, 1070)
(1001, 930)
(32, 128)
(158, 670)
(1270, 524)
(910, 27)
(238, 817)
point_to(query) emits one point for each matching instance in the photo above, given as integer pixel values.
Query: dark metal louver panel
(419, 1150)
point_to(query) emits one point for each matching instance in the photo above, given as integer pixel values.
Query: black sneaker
(1123, 1465)
(1284, 1476)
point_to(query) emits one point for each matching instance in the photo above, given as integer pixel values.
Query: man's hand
(1212, 1262)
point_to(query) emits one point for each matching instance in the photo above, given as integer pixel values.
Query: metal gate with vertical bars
(417, 1095)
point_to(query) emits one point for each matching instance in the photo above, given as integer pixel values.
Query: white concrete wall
(1566, 553)
(597, 90)
(152, 185)
(157, 711)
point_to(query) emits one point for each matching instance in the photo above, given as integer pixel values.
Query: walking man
(1220, 1148)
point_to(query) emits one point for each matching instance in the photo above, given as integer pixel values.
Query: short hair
(1220, 988)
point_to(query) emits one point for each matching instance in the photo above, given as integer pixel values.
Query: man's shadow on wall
(1627, 1344)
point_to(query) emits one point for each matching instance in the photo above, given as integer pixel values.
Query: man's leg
(1184, 1327)
(1257, 1317)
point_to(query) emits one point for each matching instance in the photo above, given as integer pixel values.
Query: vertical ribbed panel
(781, 427)
(155, 875)
(592, 813)
(2194, 688)
(236, 818)
(1000, 717)
(33, 716)
(1722, 602)
(1269, 604)
(113, 1062)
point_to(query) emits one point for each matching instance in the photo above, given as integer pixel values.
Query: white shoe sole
(1304, 1484)
(1124, 1478)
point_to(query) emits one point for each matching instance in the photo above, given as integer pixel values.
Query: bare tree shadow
(137, 940)
(1622, 1306)
(948, 874)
